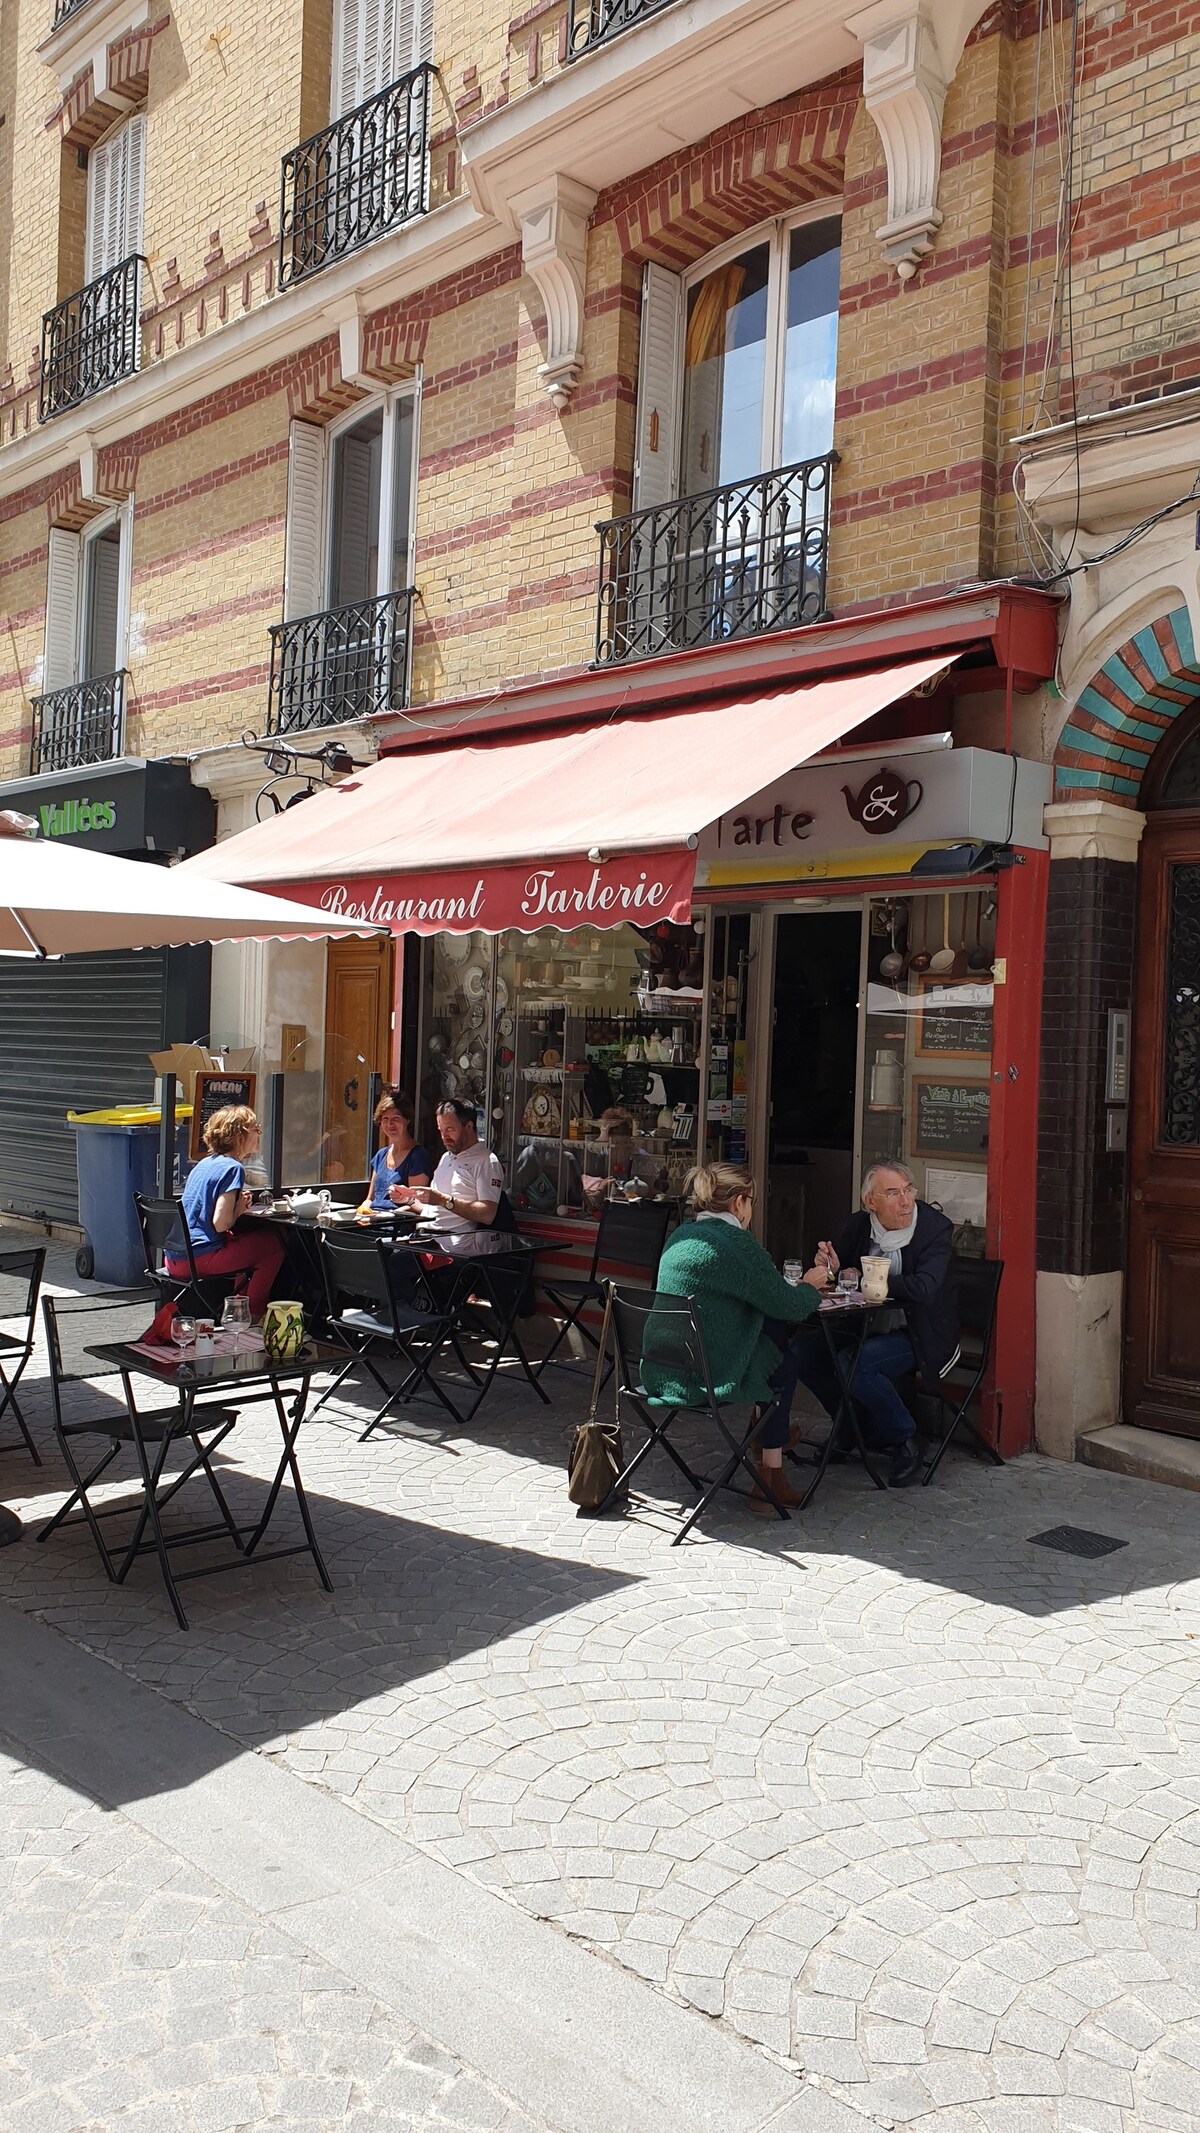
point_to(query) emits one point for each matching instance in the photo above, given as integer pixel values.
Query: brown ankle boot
(772, 1482)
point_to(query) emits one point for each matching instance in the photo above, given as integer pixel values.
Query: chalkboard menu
(951, 1117)
(213, 1093)
(955, 1029)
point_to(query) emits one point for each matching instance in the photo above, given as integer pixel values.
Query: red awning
(597, 824)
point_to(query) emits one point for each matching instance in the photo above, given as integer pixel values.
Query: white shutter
(655, 476)
(414, 34)
(134, 141)
(60, 666)
(95, 249)
(379, 46)
(304, 545)
(347, 34)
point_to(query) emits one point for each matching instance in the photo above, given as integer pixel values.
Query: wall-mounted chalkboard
(955, 1029)
(213, 1093)
(951, 1117)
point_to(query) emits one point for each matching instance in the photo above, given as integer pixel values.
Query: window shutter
(376, 59)
(60, 666)
(414, 34)
(99, 168)
(655, 476)
(102, 581)
(134, 141)
(353, 531)
(346, 38)
(303, 553)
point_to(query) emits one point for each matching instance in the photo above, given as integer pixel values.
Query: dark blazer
(924, 1286)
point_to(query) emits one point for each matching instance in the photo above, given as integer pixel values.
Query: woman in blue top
(215, 1198)
(403, 1161)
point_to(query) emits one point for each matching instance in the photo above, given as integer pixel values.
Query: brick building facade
(989, 285)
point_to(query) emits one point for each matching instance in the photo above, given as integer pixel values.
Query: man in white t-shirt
(468, 1180)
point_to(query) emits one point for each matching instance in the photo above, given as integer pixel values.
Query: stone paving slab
(895, 1795)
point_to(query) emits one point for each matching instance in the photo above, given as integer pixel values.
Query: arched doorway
(1162, 1311)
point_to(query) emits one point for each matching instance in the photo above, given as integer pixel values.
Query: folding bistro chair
(656, 1332)
(164, 1230)
(630, 1236)
(978, 1284)
(20, 1280)
(485, 1301)
(378, 1300)
(74, 1326)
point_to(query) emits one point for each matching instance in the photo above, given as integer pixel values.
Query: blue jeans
(884, 1356)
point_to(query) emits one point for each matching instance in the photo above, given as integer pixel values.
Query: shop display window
(926, 1070)
(582, 1052)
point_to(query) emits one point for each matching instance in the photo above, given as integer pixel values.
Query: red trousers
(256, 1252)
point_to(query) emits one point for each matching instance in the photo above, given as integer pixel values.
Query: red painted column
(1012, 1146)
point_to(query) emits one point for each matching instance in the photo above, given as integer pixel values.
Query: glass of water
(235, 1318)
(847, 1281)
(793, 1272)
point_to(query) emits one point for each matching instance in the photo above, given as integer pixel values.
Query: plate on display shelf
(504, 1027)
(449, 1082)
(474, 982)
(456, 947)
(501, 996)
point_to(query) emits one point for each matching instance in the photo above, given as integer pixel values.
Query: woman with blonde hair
(748, 1316)
(214, 1200)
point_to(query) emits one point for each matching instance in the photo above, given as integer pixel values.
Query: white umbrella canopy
(56, 899)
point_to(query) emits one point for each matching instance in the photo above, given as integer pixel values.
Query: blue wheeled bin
(116, 1155)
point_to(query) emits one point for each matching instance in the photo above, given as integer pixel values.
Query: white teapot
(305, 1204)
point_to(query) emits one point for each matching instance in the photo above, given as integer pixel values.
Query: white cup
(793, 1272)
(875, 1272)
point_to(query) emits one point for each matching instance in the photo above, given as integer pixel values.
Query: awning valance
(597, 824)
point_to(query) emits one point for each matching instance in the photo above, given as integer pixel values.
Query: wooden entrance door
(358, 1043)
(1162, 1327)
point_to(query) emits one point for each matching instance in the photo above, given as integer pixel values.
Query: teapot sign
(884, 802)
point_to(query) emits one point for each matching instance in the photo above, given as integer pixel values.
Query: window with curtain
(760, 358)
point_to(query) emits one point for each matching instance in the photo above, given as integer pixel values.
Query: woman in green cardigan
(748, 1315)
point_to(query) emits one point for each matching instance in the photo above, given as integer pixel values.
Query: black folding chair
(164, 1232)
(379, 1299)
(74, 1326)
(656, 1334)
(485, 1299)
(630, 1236)
(20, 1280)
(978, 1284)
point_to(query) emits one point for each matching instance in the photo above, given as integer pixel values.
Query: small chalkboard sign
(951, 1117)
(951, 1028)
(635, 1084)
(213, 1093)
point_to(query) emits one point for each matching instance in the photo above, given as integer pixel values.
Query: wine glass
(183, 1331)
(235, 1318)
(847, 1282)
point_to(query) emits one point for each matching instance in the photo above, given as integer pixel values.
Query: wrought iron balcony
(593, 22)
(734, 562)
(91, 339)
(345, 663)
(362, 176)
(79, 725)
(63, 8)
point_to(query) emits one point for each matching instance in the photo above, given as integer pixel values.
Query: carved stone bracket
(553, 221)
(904, 88)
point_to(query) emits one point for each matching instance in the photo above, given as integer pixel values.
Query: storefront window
(926, 1070)
(581, 1052)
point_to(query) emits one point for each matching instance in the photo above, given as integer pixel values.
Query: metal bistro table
(228, 1372)
(495, 1264)
(855, 1314)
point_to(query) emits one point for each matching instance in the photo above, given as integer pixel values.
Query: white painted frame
(389, 402)
(121, 516)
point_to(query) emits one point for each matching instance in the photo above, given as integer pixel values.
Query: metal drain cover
(1076, 1540)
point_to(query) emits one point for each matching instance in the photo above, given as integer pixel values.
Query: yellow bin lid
(125, 1115)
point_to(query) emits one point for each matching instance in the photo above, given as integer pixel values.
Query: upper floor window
(115, 197)
(739, 362)
(79, 712)
(376, 42)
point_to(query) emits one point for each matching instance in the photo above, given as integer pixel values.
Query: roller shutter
(73, 1037)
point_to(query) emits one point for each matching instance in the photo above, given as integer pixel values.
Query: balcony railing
(79, 725)
(345, 663)
(91, 339)
(593, 22)
(734, 562)
(358, 178)
(63, 8)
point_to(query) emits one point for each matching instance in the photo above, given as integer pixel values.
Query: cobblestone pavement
(136, 1995)
(908, 1801)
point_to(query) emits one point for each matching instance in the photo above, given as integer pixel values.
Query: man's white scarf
(889, 1243)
